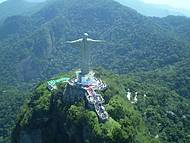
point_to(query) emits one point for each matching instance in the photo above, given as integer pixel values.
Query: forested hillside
(138, 43)
(18, 7)
(11, 100)
(150, 50)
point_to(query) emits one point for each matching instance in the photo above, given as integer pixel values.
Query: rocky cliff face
(31, 66)
(63, 117)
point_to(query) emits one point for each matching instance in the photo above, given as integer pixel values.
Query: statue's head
(85, 35)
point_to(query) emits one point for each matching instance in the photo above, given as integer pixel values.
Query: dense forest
(153, 53)
(138, 43)
(11, 100)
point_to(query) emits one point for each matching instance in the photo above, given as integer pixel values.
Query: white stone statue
(85, 51)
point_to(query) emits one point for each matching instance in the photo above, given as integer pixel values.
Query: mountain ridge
(130, 31)
(154, 10)
(154, 50)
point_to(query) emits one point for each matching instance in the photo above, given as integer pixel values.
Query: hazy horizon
(178, 4)
(26, 0)
(157, 8)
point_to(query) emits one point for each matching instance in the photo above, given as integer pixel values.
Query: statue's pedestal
(85, 79)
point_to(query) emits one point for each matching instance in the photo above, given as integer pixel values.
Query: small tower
(129, 95)
(135, 98)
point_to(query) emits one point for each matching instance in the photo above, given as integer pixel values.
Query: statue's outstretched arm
(97, 41)
(75, 41)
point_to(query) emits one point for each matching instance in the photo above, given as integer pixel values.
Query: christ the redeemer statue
(85, 51)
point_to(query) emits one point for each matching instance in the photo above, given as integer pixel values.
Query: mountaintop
(63, 115)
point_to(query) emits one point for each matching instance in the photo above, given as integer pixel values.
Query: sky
(26, 0)
(179, 4)
(2, 1)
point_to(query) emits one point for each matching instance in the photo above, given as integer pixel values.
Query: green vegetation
(18, 7)
(11, 100)
(78, 123)
(161, 116)
(138, 43)
(151, 55)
